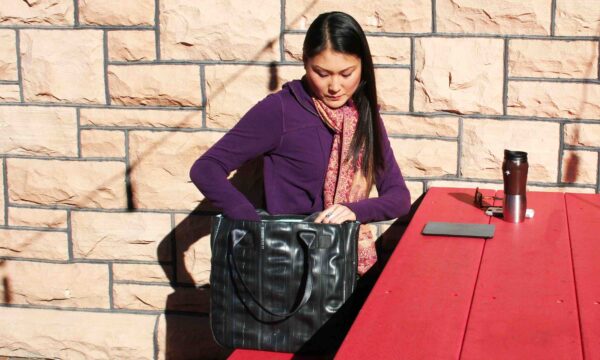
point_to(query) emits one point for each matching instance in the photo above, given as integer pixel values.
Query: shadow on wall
(188, 334)
(573, 161)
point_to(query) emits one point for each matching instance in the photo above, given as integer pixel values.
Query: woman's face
(333, 76)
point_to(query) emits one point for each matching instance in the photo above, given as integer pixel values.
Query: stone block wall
(105, 104)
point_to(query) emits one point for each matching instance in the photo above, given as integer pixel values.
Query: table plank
(524, 305)
(242, 354)
(418, 308)
(584, 229)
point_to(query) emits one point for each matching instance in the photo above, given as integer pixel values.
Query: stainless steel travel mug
(514, 173)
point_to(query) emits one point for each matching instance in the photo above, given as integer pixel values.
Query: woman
(322, 140)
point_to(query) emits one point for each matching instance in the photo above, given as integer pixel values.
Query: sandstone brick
(161, 162)
(495, 16)
(420, 157)
(142, 272)
(579, 167)
(563, 189)
(9, 93)
(100, 143)
(418, 125)
(97, 184)
(121, 236)
(484, 142)
(8, 54)
(546, 99)
(459, 75)
(416, 190)
(38, 131)
(384, 49)
(159, 297)
(577, 17)
(187, 337)
(131, 45)
(393, 89)
(225, 30)
(72, 285)
(34, 244)
(553, 59)
(582, 134)
(233, 90)
(192, 236)
(163, 85)
(292, 46)
(55, 219)
(378, 15)
(75, 334)
(465, 184)
(44, 57)
(116, 12)
(50, 12)
(141, 118)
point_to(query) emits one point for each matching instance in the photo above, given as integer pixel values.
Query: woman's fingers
(335, 214)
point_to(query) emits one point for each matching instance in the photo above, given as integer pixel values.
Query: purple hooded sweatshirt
(295, 143)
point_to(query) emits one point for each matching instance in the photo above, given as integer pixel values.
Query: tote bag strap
(307, 237)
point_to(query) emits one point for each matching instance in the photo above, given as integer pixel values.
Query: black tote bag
(274, 282)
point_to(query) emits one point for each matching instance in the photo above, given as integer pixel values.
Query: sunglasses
(484, 201)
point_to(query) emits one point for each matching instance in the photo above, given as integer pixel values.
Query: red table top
(530, 292)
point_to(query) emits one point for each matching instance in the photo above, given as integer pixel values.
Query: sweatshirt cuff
(360, 209)
(242, 212)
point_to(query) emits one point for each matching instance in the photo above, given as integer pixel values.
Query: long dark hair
(340, 32)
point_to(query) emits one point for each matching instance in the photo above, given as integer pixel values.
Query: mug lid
(515, 155)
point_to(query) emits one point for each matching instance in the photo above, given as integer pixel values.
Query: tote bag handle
(307, 237)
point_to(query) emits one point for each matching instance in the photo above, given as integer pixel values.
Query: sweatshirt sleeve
(394, 198)
(258, 132)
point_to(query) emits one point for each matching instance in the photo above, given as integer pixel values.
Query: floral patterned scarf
(344, 182)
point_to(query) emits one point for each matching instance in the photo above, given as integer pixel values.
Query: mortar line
(69, 236)
(102, 106)
(155, 337)
(598, 175)
(76, 13)
(157, 28)
(5, 189)
(555, 80)
(553, 18)
(433, 16)
(204, 97)
(173, 240)
(459, 147)
(282, 31)
(111, 299)
(105, 50)
(467, 35)
(411, 93)
(112, 311)
(34, 228)
(128, 186)
(85, 261)
(78, 117)
(9, 82)
(116, 211)
(505, 80)
(19, 65)
(561, 149)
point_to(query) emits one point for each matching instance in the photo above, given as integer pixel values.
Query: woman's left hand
(335, 214)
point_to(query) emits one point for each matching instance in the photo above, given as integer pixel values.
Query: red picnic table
(530, 292)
